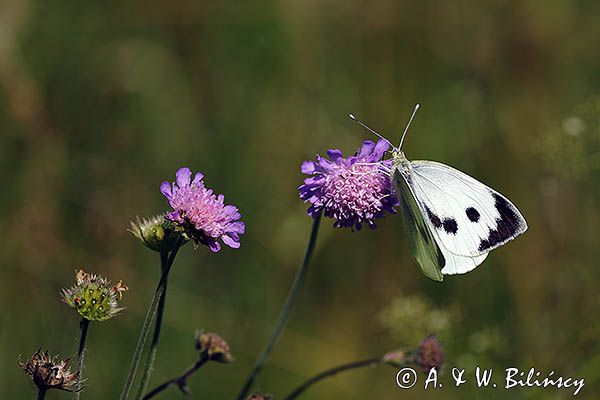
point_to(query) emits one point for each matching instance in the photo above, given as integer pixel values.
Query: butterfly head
(400, 162)
(397, 155)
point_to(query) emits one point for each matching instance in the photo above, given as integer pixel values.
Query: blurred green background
(101, 101)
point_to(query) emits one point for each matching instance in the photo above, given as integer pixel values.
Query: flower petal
(230, 242)
(183, 176)
(197, 178)
(308, 167)
(366, 149)
(335, 155)
(380, 148)
(214, 246)
(165, 189)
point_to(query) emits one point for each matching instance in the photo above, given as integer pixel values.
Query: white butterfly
(452, 220)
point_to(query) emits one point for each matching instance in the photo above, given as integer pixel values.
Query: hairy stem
(156, 334)
(84, 325)
(180, 381)
(139, 347)
(286, 311)
(331, 372)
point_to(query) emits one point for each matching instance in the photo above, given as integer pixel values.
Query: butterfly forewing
(465, 216)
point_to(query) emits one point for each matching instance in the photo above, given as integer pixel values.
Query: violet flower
(200, 213)
(351, 190)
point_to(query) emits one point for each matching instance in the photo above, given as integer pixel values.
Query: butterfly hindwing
(466, 217)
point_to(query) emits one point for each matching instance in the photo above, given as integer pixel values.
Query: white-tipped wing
(466, 217)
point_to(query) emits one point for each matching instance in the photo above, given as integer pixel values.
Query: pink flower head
(200, 213)
(351, 190)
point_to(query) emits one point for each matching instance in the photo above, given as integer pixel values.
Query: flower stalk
(84, 325)
(428, 355)
(211, 348)
(152, 309)
(372, 362)
(180, 381)
(156, 334)
(286, 311)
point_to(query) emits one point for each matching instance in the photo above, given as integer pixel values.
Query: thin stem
(84, 325)
(139, 347)
(180, 381)
(156, 335)
(331, 372)
(41, 395)
(286, 311)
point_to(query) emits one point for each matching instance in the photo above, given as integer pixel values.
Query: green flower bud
(154, 232)
(94, 297)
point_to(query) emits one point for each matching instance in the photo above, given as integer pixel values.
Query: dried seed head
(213, 347)
(50, 372)
(94, 297)
(430, 354)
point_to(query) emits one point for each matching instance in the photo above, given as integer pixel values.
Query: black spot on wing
(507, 224)
(435, 220)
(450, 225)
(472, 214)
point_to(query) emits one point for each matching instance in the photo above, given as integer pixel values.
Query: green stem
(331, 372)
(286, 311)
(155, 335)
(139, 347)
(41, 395)
(180, 381)
(84, 325)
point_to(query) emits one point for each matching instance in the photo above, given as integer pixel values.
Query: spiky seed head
(94, 297)
(213, 347)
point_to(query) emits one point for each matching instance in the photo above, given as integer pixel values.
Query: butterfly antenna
(408, 125)
(370, 130)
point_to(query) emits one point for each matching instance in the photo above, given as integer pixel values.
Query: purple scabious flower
(200, 213)
(351, 190)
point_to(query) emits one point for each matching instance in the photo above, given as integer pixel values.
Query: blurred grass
(101, 101)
